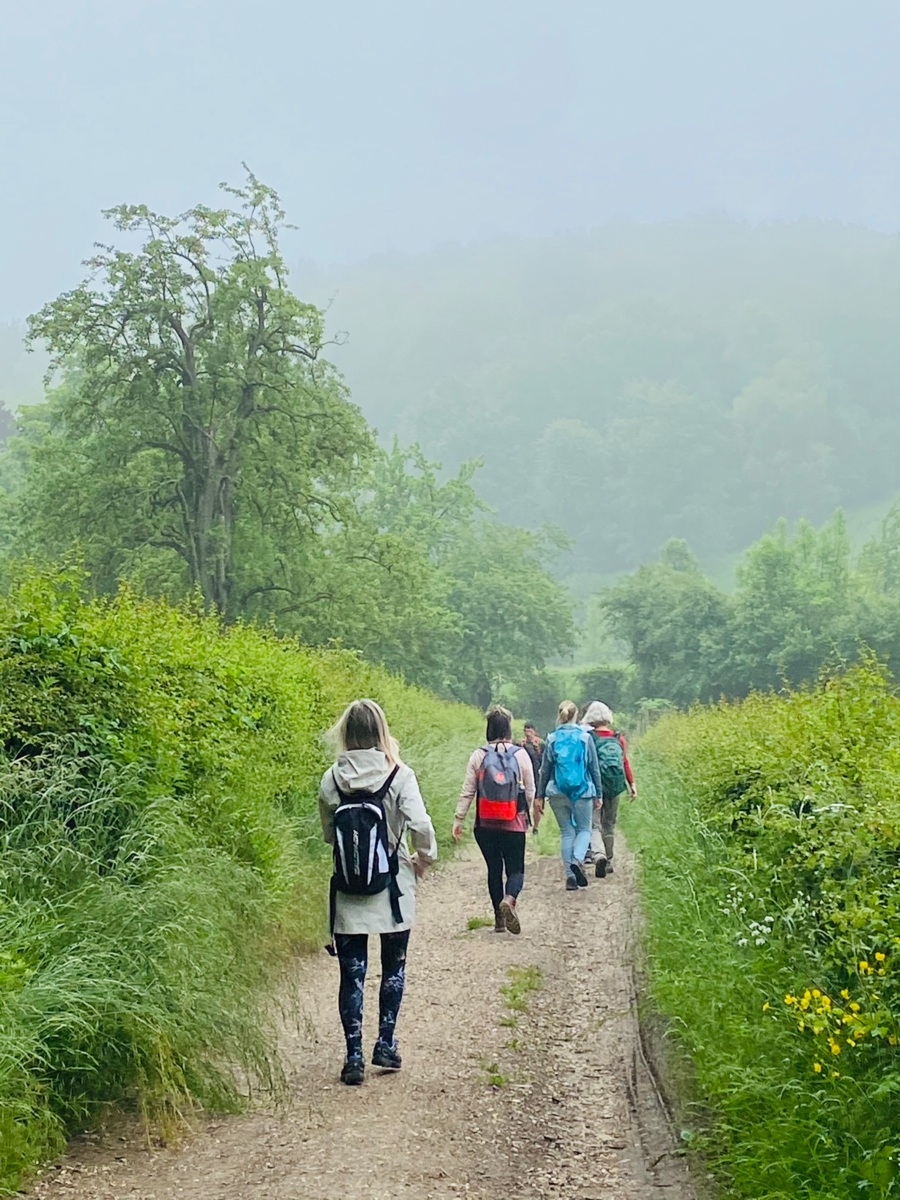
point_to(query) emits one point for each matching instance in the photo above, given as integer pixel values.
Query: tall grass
(160, 852)
(767, 836)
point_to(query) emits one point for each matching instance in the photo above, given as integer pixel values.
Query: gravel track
(575, 1116)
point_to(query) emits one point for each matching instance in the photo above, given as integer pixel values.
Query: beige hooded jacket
(366, 770)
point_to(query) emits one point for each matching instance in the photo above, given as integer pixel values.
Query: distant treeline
(696, 379)
(803, 601)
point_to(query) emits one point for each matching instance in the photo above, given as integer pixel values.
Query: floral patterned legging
(353, 956)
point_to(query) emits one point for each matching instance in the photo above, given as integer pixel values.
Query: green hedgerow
(769, 848)
(160, 850)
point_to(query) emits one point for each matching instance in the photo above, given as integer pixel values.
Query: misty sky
(400, 124)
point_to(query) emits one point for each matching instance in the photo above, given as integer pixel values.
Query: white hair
(598, 713)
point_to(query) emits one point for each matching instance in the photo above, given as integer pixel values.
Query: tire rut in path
(576, 1117)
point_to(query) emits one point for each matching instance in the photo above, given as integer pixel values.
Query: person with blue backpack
(500, 779)
(368, 802)
(570, 780)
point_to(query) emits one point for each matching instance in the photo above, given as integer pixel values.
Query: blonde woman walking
(368, 802)
(570, 780)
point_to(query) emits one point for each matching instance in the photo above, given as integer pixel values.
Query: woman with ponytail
(570, 780)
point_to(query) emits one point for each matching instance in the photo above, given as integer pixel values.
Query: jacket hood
(361, 770)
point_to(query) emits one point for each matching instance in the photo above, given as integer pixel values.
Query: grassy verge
(768, 837)
(160, 851)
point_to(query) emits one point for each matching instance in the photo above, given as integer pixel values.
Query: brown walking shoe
(510, 917)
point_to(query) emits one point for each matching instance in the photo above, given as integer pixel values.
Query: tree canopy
(802, 602)
(200, 415)
(196, 440)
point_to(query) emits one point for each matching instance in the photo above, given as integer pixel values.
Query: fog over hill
(695, 378)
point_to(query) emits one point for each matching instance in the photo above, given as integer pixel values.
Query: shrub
(769, 865)
(160, 848)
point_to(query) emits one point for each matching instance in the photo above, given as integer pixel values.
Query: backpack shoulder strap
(386, 786)
(347, 797)
(379, 796)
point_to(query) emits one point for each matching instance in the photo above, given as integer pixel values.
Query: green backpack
(611, 757)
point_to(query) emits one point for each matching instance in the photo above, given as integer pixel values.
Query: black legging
(503, 850)
(353, 956)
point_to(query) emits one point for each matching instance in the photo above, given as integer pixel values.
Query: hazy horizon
(400, 128)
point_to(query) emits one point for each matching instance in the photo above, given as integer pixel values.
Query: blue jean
(574, 820)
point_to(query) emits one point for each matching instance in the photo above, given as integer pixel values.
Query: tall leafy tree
(675, 622)
(514, 616)
(425, 581)
(796, 606)
(197, 423)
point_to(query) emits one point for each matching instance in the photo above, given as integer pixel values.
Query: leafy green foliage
(769, 849)
(513, 615)
(198, 442)
(197, 423)
(800, 603)
(159, 846)
(676, 623)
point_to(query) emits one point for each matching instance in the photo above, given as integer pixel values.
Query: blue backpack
(570, 769)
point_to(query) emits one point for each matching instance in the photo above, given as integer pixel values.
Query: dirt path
(575, 1116)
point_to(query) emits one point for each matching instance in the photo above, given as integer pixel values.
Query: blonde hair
(598, 713)
(568, 710)
(363, 726)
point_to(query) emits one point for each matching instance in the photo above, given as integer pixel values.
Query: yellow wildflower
(879, 957)
(817, 1067)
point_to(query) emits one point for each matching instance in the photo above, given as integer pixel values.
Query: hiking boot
(510, 917)
(609, 866)
(353, 1071)
(571, 885)
(601, 867)
(387, 1057)
(578, 872)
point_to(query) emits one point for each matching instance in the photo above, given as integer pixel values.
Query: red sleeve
(629, 774)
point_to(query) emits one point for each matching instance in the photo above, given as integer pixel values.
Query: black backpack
(364, 863)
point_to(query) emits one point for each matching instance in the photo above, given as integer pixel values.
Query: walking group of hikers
(369, 801)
